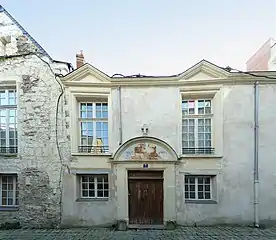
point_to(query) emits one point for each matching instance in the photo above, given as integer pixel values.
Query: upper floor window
(93, 127)
(8, 121)
(197, 127)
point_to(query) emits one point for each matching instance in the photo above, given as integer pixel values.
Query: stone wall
(39, 164)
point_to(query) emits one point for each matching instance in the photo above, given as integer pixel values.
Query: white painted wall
(160, 108)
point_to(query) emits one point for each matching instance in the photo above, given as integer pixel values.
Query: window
(94, 127)
(9, 190)
(8, 131)
(196, 127)
(198, 187)
(94, 186)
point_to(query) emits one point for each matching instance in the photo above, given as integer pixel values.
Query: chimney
(80, 59)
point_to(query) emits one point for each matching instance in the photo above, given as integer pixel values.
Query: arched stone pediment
(145, 149)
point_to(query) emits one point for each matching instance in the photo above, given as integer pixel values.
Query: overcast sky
(153, 37)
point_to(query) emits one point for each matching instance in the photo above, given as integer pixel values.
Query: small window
(198, 187)
(94, 186)
(9, 190)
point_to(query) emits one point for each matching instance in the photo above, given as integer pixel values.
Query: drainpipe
(256, 154)
(120, 115)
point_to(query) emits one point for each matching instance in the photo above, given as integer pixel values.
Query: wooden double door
(145, 197)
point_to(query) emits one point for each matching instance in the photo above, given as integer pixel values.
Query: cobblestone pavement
(186, 233)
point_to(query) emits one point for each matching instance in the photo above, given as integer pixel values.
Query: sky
(150, 37)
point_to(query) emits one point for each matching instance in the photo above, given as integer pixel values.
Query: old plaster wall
(234, 170)
(148, 105)
(38, 163)
(267, 154)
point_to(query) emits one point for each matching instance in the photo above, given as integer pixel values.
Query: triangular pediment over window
(87, 74)
(204, 70)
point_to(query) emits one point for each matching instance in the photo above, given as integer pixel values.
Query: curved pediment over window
(145, 149)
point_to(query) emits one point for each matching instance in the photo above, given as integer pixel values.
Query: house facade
(148, 150)
(80, 148)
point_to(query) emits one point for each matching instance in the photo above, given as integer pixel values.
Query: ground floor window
(94, 186)
(198, 187)
(9, 190)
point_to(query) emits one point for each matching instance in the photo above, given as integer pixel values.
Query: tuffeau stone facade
(38, 164)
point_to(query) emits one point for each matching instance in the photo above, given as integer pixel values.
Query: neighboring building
(86, 149)
(30, 164)
(263, 59)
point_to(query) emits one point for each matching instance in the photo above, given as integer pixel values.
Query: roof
(188, 71)
(203, 65)
(42, 50)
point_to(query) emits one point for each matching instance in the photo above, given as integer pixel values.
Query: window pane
(200, 122)
(10, 194)
(89, 107)
(106, 193)
(208, 121)
(192, 195)
(98, 110)
(83, 107)
(89, 115)
(207, 180)
(184, 104)
(192, 188)
(185, 122)
(200, 180)
(91, 179)
(201, 111)
(84, 178)
(207, 195)
(83, 115)
(85, 193)
(186, 195)
(200, 195)
(192, 179)
(100, 193)
(208, 110)
(91, 193)
(85, 186)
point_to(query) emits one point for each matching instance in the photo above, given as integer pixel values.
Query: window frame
(95, 176)
(14, 190)
(7, 108)
(95, 148)
(196, 116)
(211, 177)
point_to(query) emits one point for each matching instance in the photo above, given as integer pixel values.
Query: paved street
(186, 233)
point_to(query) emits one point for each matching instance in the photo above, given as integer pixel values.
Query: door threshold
(145, 226)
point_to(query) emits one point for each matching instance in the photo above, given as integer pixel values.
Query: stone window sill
(201, 201)
(9, 208)
(90, 154)
(92, 199)
(200, 156)
(8, 155)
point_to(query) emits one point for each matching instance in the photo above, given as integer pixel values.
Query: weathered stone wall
(38, 162)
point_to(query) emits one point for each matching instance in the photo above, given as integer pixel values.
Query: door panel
(145, 201)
